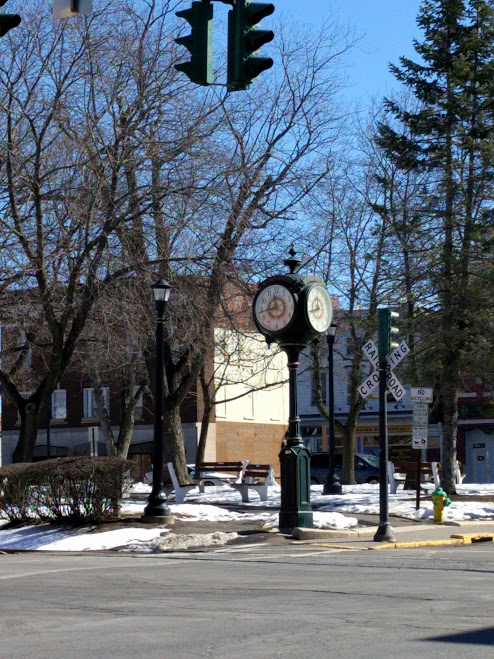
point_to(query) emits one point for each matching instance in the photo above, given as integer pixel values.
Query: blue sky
(388, 27)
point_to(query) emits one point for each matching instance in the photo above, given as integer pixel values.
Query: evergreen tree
(450, 138)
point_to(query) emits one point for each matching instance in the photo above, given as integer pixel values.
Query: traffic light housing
(8, 21)
(244, 40)
(199, 42)
(386, 332)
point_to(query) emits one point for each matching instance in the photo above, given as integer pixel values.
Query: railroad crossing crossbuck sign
(392, 382)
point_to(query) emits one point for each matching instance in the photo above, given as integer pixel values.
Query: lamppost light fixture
(161, 290)
(331, 331)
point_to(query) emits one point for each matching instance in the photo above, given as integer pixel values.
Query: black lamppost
(157, 506)
(332, 484)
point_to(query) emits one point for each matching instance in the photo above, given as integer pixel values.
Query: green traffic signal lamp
(244, 40)
(386, 331)
(199, 42)
(8, 21)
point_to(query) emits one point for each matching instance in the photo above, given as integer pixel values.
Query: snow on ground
(330, 512)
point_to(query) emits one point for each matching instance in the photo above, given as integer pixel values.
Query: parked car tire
(314, 481)
(373, 480)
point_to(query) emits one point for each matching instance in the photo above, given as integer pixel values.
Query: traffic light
(200, 42)
(244, 40)
(8, 21)
(386, 331)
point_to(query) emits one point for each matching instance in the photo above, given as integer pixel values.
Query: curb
(391, 545)
(456, 539)
(470, 538)
(301, 533)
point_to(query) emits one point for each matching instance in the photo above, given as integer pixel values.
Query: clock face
(319, 308)
(274, 308)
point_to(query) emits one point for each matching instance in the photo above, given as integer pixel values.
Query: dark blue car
(366, 467)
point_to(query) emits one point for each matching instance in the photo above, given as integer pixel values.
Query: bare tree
(77, 102)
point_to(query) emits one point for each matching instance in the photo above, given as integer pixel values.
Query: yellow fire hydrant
(440, 500)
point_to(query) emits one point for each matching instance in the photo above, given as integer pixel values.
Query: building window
(220, 407)
(59, 404)
(89, 400)
(249, 403)
(324, 388)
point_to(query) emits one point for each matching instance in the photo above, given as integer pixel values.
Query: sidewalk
(407, 533)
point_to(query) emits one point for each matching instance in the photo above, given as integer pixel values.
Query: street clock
(291, 309)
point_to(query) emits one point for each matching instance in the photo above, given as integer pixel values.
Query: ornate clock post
(292, 310)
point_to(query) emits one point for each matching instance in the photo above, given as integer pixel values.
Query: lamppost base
(384, 533)
(333, 486)
(157, 508)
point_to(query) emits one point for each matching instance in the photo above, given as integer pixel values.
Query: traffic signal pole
(384, 532)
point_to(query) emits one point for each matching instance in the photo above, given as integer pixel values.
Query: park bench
(180, 490)
(242, 475)
(395, 478)
(406, 473)
(256, 477)
(231, 471)
(227, 470)
(410, 470)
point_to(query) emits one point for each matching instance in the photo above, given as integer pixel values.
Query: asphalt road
(249, 601)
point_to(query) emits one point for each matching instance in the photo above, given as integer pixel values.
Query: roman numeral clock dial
(274, 308)
(319, 309)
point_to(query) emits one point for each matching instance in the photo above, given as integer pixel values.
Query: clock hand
(268, 309)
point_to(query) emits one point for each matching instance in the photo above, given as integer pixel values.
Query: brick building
(248, 421)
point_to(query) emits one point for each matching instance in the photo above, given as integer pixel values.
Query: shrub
(76, 489)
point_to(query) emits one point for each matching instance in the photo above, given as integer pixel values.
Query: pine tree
(451, 139)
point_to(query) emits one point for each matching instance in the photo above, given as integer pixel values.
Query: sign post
(422, 397)
(93, 432)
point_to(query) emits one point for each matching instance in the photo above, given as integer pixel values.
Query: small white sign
(419, 437)
(420, 414)
(421, 394)
(419, 442)
(93, 432)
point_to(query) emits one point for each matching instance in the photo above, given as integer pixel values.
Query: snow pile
(321, 520)
(46, 537)
(180, 542)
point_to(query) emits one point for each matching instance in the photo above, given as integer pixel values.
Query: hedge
(76, 489)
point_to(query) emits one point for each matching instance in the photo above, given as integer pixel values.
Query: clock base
(291, 520)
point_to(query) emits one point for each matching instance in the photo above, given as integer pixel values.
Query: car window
(372, 460)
